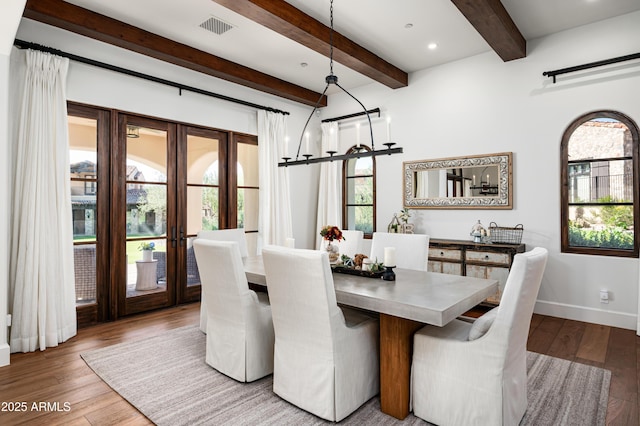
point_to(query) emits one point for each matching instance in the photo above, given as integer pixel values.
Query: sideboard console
(458, 257)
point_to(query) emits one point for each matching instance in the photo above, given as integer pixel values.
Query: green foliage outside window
(608, 226)
(617, 216)
(618, 238)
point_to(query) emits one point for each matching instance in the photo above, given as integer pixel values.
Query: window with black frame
(599, 183)
(359, 195)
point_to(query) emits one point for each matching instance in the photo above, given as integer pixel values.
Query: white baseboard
(582, 313)
(5, 351)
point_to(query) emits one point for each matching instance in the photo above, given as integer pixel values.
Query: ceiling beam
(94, 25)
(280, 16)
(492, 21)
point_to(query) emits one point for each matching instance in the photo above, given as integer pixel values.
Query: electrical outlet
(604, 296)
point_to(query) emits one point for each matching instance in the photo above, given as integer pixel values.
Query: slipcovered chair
(352, 243)
(234, 234)
(239, 327)
(412, 250)
(326, 357)
(475, 374)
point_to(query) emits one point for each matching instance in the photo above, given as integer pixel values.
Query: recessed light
(432, 46)
(409, 25)
(303, 64)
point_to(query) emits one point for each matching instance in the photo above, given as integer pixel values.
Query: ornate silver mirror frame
(473, 182)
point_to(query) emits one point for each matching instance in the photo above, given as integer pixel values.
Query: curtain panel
(274, 217)
(330, 187)
(42, 282)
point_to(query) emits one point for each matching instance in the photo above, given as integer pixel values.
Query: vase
(333, 252)
(147, 255)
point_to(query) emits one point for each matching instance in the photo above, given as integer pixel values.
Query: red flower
(331, 233)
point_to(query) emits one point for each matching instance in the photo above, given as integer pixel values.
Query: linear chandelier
(333, 79)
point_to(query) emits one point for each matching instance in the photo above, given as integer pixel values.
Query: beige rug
(167, 379)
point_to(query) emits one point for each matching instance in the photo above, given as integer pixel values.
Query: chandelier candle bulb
(488, 181)
(388, 129)
(306, 135)
(390, 256)
(358, 134)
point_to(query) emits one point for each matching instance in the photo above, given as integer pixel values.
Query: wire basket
(505, 235)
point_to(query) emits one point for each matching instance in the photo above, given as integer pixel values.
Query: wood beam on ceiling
(81, 21)
(280, 16)
(493, 22)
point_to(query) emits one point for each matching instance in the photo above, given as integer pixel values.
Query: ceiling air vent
(216, 25)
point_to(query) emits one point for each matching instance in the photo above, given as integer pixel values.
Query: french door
(144, 215)
(173, 183)
(140, 183)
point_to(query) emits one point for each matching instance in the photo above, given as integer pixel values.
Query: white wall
(481, 105)
(9, 19)
(4, 199)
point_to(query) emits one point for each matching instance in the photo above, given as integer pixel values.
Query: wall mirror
(476, 182)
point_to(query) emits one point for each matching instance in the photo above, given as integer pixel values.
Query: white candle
(389, 256)
(286, 146)
(306, 135)
(474, 180)
(290, 242)
(488, 182)
(358, 134)
(388, 129)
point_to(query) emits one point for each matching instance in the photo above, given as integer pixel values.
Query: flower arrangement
(147, 246)
(331, 233)
(405, 215)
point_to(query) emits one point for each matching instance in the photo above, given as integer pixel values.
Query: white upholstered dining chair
(239, 327)
(325, 357)
(475, 374)
(412, 250)
(234, 234)
(351, 244)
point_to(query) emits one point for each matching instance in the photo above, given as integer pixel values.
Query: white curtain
(42, 286)
(422, 184)
(330, 187)
(274, 224)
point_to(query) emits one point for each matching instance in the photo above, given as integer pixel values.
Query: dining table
(414, 299)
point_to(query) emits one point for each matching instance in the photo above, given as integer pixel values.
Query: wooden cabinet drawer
(488, 257)
(445, 267)
(445, 254)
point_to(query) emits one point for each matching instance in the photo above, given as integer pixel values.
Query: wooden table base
(396, 350)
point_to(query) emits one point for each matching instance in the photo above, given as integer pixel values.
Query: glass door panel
(83, 157)
(145, 210)
(204, 177)
(248, 182)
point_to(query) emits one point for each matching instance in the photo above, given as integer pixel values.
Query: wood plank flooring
(58, 375)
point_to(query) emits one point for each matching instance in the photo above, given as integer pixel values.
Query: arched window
(359, 194)
(599, 185)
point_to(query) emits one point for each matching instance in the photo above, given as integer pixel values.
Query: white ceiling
(377, 25)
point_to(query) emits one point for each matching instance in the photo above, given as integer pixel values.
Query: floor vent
(216, 25)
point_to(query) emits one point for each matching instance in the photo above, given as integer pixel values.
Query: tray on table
(359, 272)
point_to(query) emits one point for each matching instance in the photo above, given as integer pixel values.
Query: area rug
(167, 379)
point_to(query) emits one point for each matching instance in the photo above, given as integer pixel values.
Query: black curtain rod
(28, 45)
(553, 74)
(357, 114)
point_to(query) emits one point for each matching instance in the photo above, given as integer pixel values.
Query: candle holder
(388, 274)
(331, 154)
(307, 156)
(389, 145)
